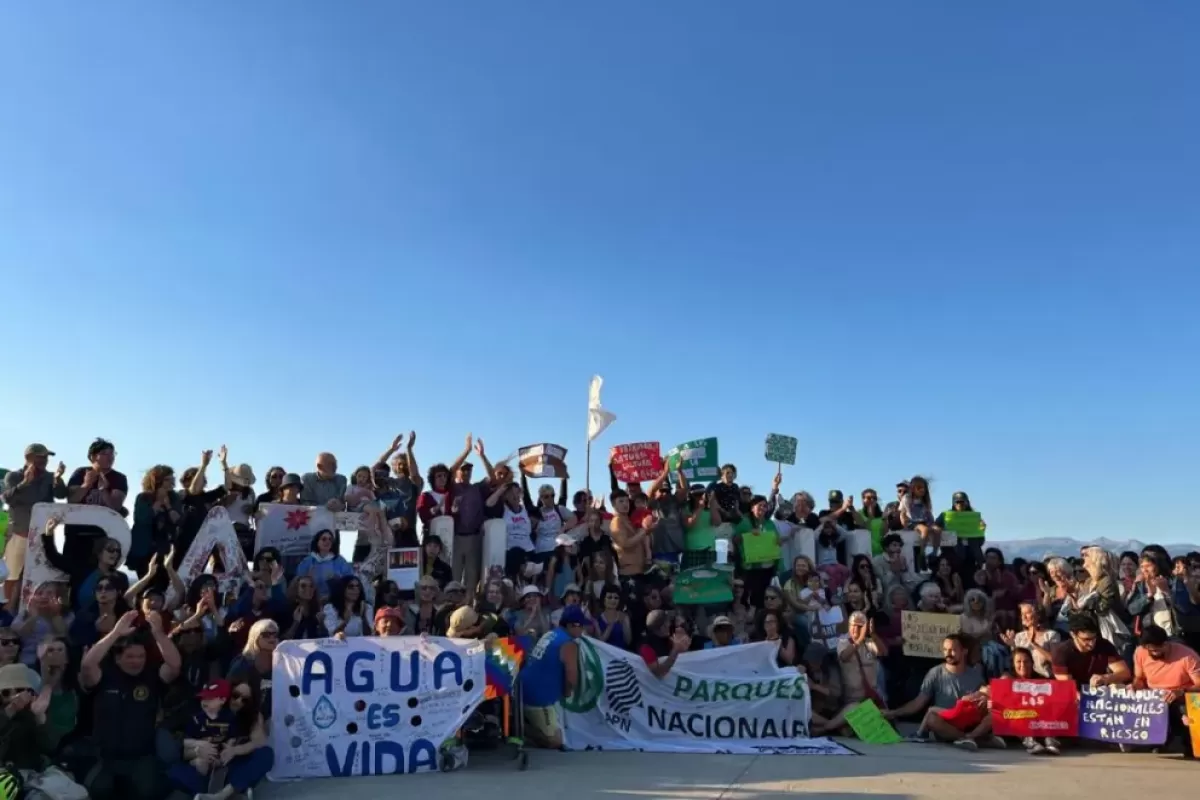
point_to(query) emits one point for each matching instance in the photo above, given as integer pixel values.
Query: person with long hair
(756, 545)
(256, 661)
(916, 514)
(348, 613)
(1152, 601)
(59, 690)
(239, 503)
(769, 626)
(862, 569)
(198, 499)
(1128, 572)
(1034, 637)
(978, 621)
(157, 512)
(942, 568)
(275, 476)
(82, 575)
(612, 623)
(856, 597)
(203, 607)
(304, 618)
(248, 753)
(323, 563)
(95, 620)
(1102, 597)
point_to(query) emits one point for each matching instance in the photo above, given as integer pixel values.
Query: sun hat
(15, 676)
(460, 620)
(570, 587)
(530, 590)
(242, 475)
(38, 450)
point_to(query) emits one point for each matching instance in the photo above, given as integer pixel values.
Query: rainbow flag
(504, 660)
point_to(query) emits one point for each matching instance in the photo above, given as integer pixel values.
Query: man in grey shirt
(325, 487)
(23, 489)
(954, 699)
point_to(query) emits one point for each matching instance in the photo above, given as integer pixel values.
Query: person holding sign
(966, 523)
(1159, 663)
(756, 544)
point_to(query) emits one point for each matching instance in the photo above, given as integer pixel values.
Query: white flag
(598, 418)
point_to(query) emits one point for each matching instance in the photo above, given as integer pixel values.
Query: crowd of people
(132, 686)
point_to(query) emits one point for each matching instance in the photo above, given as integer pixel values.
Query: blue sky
(957, 239)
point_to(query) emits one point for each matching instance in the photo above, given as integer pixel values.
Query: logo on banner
(621, 687)
(591, 680)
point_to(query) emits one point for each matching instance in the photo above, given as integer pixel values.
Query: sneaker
(970, 745)
(918, 738)
(1032, 747)
(1052, 747)
(994, 743)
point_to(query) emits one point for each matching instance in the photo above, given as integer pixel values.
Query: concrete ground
(893, 772)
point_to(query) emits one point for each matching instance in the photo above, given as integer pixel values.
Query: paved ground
(896, 772)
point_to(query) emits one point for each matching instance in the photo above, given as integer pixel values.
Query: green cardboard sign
(868, 724)
(781, 449)
(699, 458)
(703, 586)
(964, 524)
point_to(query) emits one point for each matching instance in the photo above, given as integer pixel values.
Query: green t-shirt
(702, 535)
(758, 548)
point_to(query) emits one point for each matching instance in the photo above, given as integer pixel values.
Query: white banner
(370, 705)
(724, 700)
(290, 529)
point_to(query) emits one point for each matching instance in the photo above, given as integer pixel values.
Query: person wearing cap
(720, 633)
(549, 674)
(531, 619)
(842, 511)
(968, 529)
(209, 728)
(464, 624)
(26, 739)
(571, 595)
(389, 621)
(660, 648)
(23, 489)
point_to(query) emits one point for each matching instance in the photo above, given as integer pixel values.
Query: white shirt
(519, 527)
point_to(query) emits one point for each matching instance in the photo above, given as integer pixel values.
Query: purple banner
(1123, 715)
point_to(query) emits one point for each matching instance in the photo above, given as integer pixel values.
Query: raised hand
(58, 473)
(479, 446)
(223, 455)
(412, 438)
(129, 619)
(206, 457)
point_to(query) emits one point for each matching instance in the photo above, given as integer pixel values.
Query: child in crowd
(205, 738)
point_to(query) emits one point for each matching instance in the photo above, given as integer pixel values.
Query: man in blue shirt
(549, 674)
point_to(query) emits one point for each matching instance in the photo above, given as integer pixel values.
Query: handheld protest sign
(37, 567)
(638, 462)
(217, 535)
(543, 461)
(698, 459)
(781, 449)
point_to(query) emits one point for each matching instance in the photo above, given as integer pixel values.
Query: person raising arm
(90, 670)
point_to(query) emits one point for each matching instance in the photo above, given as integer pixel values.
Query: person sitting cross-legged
(954, 699)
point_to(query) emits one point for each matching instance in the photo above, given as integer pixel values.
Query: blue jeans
(244, 773)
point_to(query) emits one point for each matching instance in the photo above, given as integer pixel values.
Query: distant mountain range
(1039, 549)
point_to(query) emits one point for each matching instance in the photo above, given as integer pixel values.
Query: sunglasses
(269, 635)
(9, 694)
(105, 587)
(116, 550)
(10, 642)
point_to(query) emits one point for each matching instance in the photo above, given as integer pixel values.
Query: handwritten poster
(924, 632)
(543, 461)
(1193, 713)
(370, 705)
(1123, 715)
(1035, 708)
(698, 459)
(404, 567)
(634, 463)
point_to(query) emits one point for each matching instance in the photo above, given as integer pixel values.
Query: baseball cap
(291, 479)
(835, 495)
(722, 622)
(961, 496)
(573, 615)
(216, 690)
(570, 587)
(530, 589)
(38, 450)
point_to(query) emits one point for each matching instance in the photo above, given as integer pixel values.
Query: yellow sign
(1193, 718)
(924, 632)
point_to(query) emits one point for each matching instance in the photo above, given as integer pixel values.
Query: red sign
(634, 463)
(1036, 708)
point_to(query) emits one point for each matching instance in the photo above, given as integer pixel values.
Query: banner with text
(781, 449)
(370, 705)
(1123, 715)
(634, 463)
(543, 461)
(290, 529)
(725, 700)
(1034, 708)
(924, 632)
(698, 459)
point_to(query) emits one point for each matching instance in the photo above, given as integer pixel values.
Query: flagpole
(588, 471)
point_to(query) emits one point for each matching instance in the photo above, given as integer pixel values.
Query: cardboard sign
(698, 458)
(404, 567)
(634, 463)
(37, 567)
(1035, 708)
(703, 586)
(1193, 715)
(217, 534)
(868, 724)
(1123, 715)
(543, 461)
(924, 632)
(781, 449)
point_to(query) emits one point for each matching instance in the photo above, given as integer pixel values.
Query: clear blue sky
(951, 238)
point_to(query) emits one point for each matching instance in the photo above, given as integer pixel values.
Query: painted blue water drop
(324, 714)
